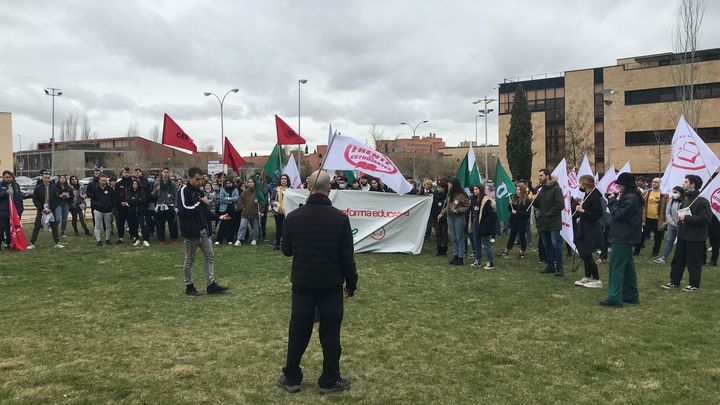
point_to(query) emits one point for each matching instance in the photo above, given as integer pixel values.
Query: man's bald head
(319, 182)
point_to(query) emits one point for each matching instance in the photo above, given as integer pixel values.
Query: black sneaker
(606, 303)
(341, 384)
(99, 244)
(285, 384)
(119, 242)
(548, 270)
(190, 290)
(670, 286)
(215, 288)
(107, 242)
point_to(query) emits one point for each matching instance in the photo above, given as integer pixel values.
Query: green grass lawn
(112, 325)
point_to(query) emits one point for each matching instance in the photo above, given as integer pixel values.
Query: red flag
(232, 158)
(287, 135)
(173, 135)
(18, 241)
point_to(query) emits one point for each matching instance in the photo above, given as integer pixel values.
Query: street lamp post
(52, 92)
(607, 99)
(222, 124)
(485, 111)
(414, 128)
(300, 82)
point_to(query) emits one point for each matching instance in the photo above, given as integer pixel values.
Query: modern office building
(630, 110)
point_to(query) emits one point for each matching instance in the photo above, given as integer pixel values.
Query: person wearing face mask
(626, 211)
(653, 217)
(277, 204)
(588, 234)
(671, 211)
(693, 219)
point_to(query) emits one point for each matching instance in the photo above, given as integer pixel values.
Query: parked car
(85, 181)
(27, 185)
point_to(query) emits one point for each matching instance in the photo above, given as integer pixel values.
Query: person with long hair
(671, 211)
(228, 209)
(65, 196)
(455, 209)
(135, 201)
(376, 185)
(77, 206)
(625, 232)
(483, 219)
(440, 222)
(277, 204)
(588, 233)
(519, 219)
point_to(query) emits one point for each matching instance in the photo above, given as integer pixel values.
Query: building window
(670, 94)
(664, 136)
(554, 143)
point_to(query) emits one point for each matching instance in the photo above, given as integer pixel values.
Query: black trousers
(78, 214)
(161, 217)
(225, 231)
(279, 221)
(5, 231)
(604, 249)
(651, 225)
(137, 219)
(591, 269)
(38, 226)
(541, 248)
(441, 235)
(687, 254)
(151, 221)
(122, 214)
(518, 230)
(329, 304)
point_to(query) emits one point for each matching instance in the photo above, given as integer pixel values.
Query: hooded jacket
(249, 204)
(103, 199)
(40, 193)
(549, 204)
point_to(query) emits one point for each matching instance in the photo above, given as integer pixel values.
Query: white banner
(567, 225)
(690, 155)
(381, 222)
(712, 194)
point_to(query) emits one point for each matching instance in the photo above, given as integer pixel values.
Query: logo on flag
(687, 156)
(715, 200)
(369, 160)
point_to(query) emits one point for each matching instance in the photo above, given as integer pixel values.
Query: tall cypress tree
(519, 139)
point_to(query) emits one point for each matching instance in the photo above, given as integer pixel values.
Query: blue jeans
(483, 241)
(254, 222)
(672, 235)
(553, 243)
(457, 228)
(61, 214)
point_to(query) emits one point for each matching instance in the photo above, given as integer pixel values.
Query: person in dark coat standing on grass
(45, 200)
(440, 223)
(9, 191)
(549, 205)
(588, 233)
(319, 238)
(626, 211)
(694, 218)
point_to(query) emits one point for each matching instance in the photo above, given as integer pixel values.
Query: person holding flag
(9, 193)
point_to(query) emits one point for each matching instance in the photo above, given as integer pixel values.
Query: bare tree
(376, 134)
(155, 133)
(133, 129)
(69, 128)
(208, 147)
(578, 136)
(85, 128)
(686, 36)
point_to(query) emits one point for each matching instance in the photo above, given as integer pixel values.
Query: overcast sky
(366, 62)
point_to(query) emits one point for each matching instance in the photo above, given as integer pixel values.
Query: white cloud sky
(365, 61)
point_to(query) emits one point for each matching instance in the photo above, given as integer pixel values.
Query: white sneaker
(475, 264)
(253, 243)
(59, 246)
(583, 281)
(145, 243)
(30, 247)
(492, 240)
(659, 260)
(137, 242)
(489, 266)
(217, 243)
(238, 243)
(230, 243)
(593, 284)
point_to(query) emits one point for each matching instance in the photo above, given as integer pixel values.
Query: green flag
(349, 175)
(504, 190)
(259, 190)
(275, 163)
(468, 173)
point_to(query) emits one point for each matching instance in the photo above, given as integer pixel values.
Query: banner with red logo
(346, 153)
(690, 155)
(712, 193)
(18, 241)
(173, 135)
(380, 222)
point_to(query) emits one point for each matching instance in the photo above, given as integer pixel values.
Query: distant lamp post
(607, 100)
(414, 128)
(485, 112)
(300, 82)
(52, 92)
(222, 126)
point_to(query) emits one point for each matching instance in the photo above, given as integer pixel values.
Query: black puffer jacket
(626, 213)
(694, 228)
(588, 232)
(319, 238)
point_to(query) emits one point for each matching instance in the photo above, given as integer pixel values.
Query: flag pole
(322, 167)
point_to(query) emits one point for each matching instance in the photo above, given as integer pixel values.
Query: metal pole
(222, 132)
(414, 172)
(486, 140)
(52, 139)
(298, 151)
(609, 139)
(476, 129)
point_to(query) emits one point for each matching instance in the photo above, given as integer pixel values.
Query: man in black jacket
(549, 204)
(45, 200)
(195, 229)
(694, 218)
(319, 238)
(103, 201)
(121, 189)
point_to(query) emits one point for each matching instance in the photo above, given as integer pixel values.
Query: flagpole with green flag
(504, 190)
(468, 173)
(275, 163)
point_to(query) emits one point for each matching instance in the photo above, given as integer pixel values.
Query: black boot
(215, 288)
(460, 261)
(454, 260)
(190, 290)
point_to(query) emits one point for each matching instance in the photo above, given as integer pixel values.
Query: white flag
(567, 226)
(609, 178)
(665, 186)
(712, 194)
(573, 183)
(690, 155)
(585, 167)
(346, 153)
(291, 170)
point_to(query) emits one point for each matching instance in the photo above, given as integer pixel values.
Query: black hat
(626, 179)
